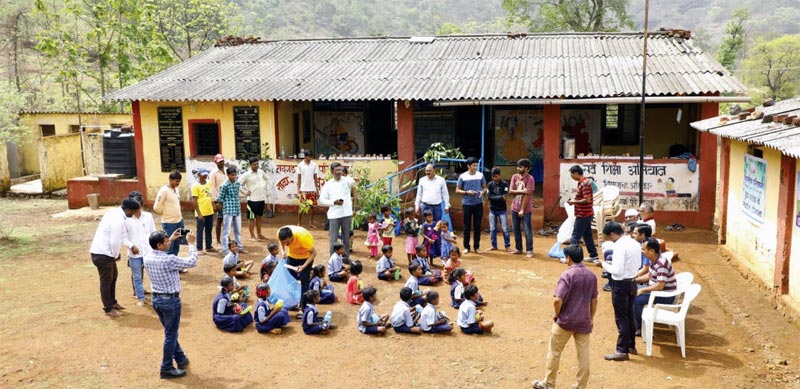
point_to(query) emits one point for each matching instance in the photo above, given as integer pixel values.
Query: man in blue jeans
(521, 187)
(498, 211)
(163, 270)
(584, 213)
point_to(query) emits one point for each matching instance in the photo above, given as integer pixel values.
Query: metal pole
(642, 113)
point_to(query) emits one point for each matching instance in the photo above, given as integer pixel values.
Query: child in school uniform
(470, 319)
(429, 235)
(326, 295)
(272, 257)
(338, 271)
(353, 291)
(373, 239)
(269, 318)
(411, 228)
(458, 281)
(454, 262)
(239, 292)
(312, 323)
(386, 225)
(227, 315)
(266, 271)
(368, 321)
(429, 276)
(447, 239)
(385, 269)
(412, 283)
(431, 321)
(401, 318)
(233, 258)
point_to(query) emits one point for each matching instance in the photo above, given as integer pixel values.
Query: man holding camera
(163, 270)
(338, 194)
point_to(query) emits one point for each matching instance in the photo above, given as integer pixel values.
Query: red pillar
(138, 142)
(707, 161)
(724, 175)
(785, 224)
(552, 174)
(405, 133)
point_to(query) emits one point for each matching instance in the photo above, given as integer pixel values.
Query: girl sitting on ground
(227, 315)
(454, 262)
(312, 323)
(269, 318)
(354, 285)
(318, 283)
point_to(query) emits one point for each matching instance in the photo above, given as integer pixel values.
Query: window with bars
(620, 124)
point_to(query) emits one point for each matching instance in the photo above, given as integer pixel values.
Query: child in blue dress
(312, 323)
(227, 315)
(447, 239)
(430, 235)
(326, 295)
(269, 318)
(385, 269)
(369, 322)
(429, 276)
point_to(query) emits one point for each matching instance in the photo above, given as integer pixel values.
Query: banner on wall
(754, 188)
(518, 134)
(668, 186)
(338, 132)
(583, 125)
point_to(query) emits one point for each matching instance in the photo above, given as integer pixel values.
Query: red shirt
(584, 192)
(352, 289)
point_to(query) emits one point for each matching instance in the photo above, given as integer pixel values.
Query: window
(47, 129)
(621, 125)
(74, 128)
(205, 137)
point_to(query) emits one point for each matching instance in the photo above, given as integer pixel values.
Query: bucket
(94, 200)
(568, 150)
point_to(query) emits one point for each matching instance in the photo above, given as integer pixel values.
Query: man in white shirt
(431, 193)
(138, 228)
(307, 172)
(105, 249)
(338, 194)
(254, 185)
(626, 260)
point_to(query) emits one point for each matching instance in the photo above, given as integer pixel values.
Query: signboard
(519, 134)
(339, 132)
(170, 139)
(754, 188)
(668, 186)
(247, 134)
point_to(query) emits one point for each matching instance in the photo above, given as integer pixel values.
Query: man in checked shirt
(165, 282)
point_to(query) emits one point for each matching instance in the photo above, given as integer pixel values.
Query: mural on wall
(670, 187)
(583, 125)
(518, 134)
(338, 132)
(754, 188)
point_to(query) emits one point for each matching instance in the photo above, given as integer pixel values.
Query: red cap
(218, 158)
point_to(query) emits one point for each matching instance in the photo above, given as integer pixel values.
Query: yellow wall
(661, 131)
(794, 259)
(221, 111)
(29, 150)
(286, 126)
(753, 243)
(5, 173)
(60, 161)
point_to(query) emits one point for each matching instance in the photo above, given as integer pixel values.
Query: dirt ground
(54, 332)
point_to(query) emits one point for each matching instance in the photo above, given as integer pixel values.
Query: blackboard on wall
(432, 128)
(247, 133)
(170, 138)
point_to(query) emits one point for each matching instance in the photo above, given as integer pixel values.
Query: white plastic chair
(670, 314)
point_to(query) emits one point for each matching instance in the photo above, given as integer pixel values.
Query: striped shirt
(229, 197)
(163, 269)
(471, 182)
(662, 271)
(584, 192)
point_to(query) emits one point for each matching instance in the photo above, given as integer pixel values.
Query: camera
(184, 232)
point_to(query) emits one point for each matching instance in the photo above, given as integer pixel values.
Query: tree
(189, 26)
(568, 15)
(774, 64)
(734, 39)
(11, 103)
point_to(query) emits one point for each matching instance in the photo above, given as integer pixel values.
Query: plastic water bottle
(328, 317)
(283, 152)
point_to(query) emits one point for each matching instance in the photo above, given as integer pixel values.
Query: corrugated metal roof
(779, 136)
(448, 68)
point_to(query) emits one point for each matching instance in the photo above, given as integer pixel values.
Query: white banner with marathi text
(754, 188)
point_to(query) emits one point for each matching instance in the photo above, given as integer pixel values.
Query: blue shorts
(472, 329)
(335, 277)
(371, 330)
(383, 276)
(444, 327)
(402, 329)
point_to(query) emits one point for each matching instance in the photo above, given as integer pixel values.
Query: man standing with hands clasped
(625, 263)
(575, 303)
(339, 194)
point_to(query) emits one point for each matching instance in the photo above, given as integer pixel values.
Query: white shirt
(306, 172)
(365, 315)
(335, 264)
(412, 283)
(110, 234)
(466, 314)
(652, 224)
(626, 260)
(401, 314)
(256, 183)
(337, 190)
(428, 317)
(458, 293)
(138, 231)
(432, 191)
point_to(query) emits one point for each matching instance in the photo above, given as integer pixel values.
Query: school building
(758, 209)
(384, 100)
